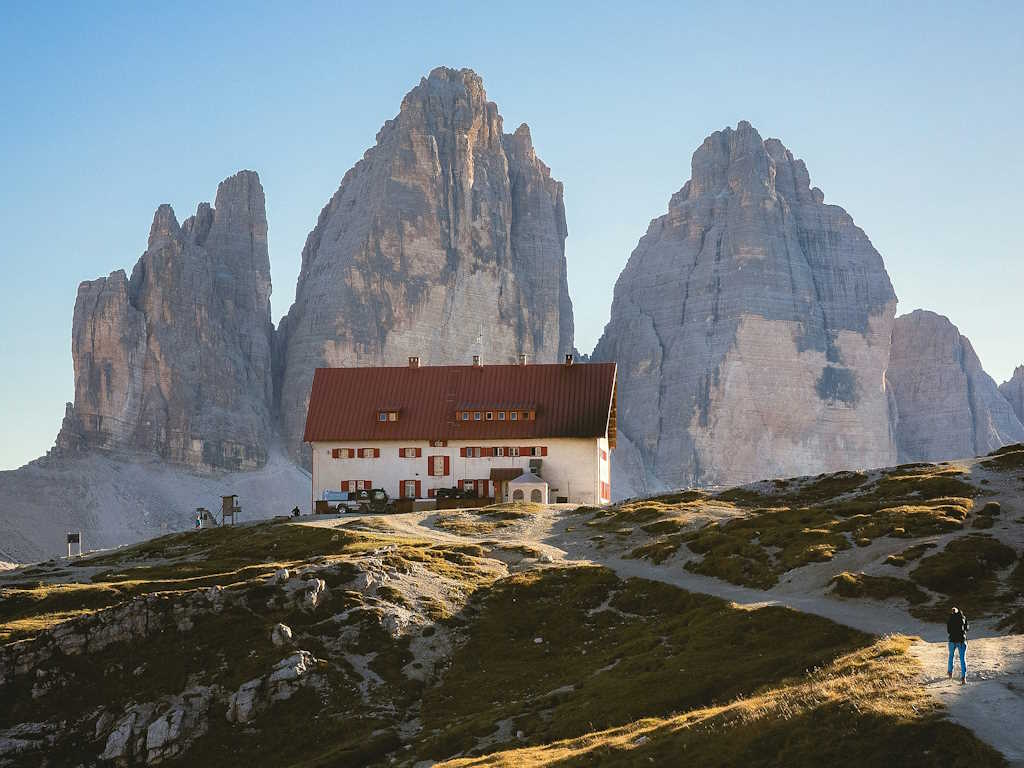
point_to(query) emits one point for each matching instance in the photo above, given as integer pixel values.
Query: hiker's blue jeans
(953, 647)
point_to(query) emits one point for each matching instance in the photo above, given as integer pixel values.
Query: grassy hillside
(930, 535)
(405, 649)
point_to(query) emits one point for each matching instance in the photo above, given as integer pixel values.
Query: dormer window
(490, 415)
(387, 416)
(465, 415)
(513, 416)
(476, 415)
(501, 415)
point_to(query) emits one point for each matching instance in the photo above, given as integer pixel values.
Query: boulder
(281, 635)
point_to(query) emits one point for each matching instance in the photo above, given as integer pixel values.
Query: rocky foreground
(528, 635)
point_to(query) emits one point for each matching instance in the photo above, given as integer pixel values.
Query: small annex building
(414, 429)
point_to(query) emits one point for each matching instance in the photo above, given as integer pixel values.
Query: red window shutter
(430, 493)
(419, 452)
(525, 451)
(544, 451)
(334, 453)
(367, 484)
(419, 490)
(344, 485)
(462, 452)
(376, 453)
(447, 465)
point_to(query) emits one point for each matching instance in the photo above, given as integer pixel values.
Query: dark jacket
(956, 627)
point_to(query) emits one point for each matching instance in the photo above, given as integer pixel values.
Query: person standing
(956, 628)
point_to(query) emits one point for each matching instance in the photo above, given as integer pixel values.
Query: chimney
(477, 363)
(414, 361)
(568, 359)
(522, 358)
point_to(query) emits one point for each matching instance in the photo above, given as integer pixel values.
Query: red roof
(569, 400)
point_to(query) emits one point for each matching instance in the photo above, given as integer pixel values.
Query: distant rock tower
(176, 361)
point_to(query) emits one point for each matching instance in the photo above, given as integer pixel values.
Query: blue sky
(910, 119)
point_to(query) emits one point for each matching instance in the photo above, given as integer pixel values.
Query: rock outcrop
(946, 406)
(751, 327)
(446, 240)
(1013, 391)
(176, 361)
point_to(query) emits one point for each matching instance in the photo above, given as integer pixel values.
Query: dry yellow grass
(873, 687)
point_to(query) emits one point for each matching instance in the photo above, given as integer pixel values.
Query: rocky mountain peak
(751, 326)
(946, 406)
(444, 241)
(176, 360)
(1013, 391)
(164, 227)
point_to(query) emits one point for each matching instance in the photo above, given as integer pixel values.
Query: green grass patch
(965, 573)
(1007, 458)
(859, 585)
(910, 554)
(864, 707)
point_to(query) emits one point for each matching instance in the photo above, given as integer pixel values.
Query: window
(438, 443)
(369, 453)
(536, 496)
(476, 415)
(356, 485)
(392, 415)
(409, 453)
(501, 415)
(382, 416)
(489, 416)
(513, 451)
(465, 415)
(498, 451)
(343, 453)
(513, 416)
(387, 415)
(524, 415)
(409, 489)
(438, 466)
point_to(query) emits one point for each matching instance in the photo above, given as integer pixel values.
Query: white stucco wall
(573, 467)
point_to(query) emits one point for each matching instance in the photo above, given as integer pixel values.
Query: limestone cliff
(751, 326)
(446, 240)
(947, 407)
(176, 361)
(1013, 391)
